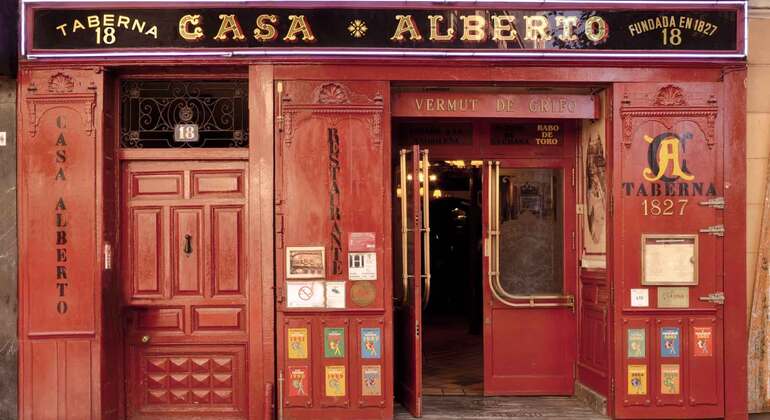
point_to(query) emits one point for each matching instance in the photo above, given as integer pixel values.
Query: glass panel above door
(531, 231)
(168, 114)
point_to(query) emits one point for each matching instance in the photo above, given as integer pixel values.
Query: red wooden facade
(154, 282)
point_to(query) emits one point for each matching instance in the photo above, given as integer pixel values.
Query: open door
(529, 266)
(412, 278)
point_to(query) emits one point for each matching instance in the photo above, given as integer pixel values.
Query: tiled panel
(217, 183)
(186, 250)
(157, 185)
(146, 245)
(204, 379)
(227, 249)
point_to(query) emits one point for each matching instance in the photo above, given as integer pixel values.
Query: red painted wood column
(60, 242)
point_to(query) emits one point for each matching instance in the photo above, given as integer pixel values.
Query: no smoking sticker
(305, 294)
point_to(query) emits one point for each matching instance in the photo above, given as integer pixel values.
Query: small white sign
(186, 133)
(640, 298)
(362, 266)
(3, 140)
(305, 294)
(335, 294)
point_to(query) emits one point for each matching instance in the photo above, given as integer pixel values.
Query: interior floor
(453, 351)
(545, 408)
(453, 362)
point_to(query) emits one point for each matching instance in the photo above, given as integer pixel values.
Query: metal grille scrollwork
(150, 110)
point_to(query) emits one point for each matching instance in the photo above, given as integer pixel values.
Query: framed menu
(670, 260)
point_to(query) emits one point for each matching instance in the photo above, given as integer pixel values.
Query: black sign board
(387, 30)
(527, 134)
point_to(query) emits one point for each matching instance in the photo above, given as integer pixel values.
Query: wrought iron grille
(151, 110)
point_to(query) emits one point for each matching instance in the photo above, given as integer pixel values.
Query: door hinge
(611, 206)
(279, 231)
(574, 240)
(716, 297)
(107, 256)
(716, 230)
(573, 177)
(417, 329)
(714, 203)
(612, 386)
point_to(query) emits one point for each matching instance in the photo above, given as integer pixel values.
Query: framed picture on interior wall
(596, 196)
(305, 262)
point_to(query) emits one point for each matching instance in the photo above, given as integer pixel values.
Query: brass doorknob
(145, 339)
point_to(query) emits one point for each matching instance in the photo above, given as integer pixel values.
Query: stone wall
(8, 252)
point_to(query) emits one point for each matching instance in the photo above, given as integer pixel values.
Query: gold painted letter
(229, 24)
(265, 30)
(596, 29)
(184, 24)
(473, 28)
(299, 25)
(536, 28)
(435, 21)
(568, 24)
(406, 24)
(502, 28)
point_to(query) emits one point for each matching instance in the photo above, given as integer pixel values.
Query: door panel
(529, 320)
(670, 152)
(412, 204)
(184, 300)
(332, 156)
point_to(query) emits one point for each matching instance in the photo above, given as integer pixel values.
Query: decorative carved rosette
(334, 102)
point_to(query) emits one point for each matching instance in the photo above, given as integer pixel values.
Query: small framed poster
(305, 262)
(670, 260)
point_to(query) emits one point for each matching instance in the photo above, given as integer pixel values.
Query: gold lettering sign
(673, 297)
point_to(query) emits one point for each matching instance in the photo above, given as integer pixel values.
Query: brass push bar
(424, 170)
(493, 275)
(404, 230)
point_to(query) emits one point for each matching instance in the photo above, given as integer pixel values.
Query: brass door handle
(188, 244)
(145, 339)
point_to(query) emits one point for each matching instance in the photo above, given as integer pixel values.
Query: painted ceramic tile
(637, 342)
(637, 379)
(334, 342)
(371, 381)
(370, 343)
(298, 381)
(669, 342)
(669, 379)
(335, 381)
(297, 338)
(703, 341)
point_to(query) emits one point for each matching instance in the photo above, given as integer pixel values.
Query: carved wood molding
(669, 106)
(82, 103)
(334, 102)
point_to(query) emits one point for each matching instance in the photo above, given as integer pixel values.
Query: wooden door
(333, 257)
(670, 264)
(185, 288)
(529, 277)
(410, 283)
